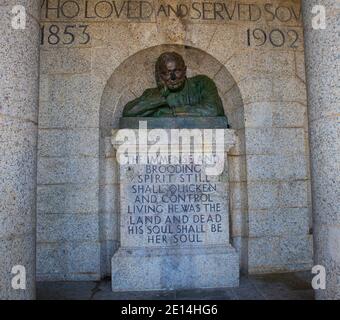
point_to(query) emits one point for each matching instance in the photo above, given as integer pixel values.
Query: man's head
(171, 71)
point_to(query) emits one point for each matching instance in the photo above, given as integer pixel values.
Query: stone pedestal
(174, 216)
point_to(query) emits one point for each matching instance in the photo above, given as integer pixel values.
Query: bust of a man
(176, 95)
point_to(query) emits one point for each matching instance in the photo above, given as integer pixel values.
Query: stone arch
(127, 82)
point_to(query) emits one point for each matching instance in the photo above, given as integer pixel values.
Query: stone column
(322, 49)
(19, 90)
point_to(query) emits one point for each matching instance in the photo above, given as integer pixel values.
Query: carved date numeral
(67, 35)
(276, 37)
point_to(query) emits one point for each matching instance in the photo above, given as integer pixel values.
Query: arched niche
(127, 82)
(136, 73)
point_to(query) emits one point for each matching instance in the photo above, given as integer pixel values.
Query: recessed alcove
(127, 82)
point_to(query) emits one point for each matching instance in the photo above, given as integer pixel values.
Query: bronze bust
(176, 95)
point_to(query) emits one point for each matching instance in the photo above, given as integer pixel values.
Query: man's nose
(172, 76)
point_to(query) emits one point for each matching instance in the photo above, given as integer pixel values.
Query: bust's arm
(210, 104)
(146, 105)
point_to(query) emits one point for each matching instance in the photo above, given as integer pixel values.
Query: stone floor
(288, 286)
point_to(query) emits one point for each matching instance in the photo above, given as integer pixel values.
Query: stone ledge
(175, 122)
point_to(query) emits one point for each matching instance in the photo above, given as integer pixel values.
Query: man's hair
(165, 58)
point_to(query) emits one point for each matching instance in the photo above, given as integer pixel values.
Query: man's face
(173, 75)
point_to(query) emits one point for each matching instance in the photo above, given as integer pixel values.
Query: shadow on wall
(129, 81)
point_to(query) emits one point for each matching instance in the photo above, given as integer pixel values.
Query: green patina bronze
(176, 95)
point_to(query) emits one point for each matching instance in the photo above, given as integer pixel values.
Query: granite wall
(96, 58)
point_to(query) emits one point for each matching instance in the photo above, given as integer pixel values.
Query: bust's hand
(163, 89)
(163, 112)
(153, 97)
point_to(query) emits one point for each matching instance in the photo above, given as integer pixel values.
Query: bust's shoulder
(201, 78)
(151, 92)
(202, 82)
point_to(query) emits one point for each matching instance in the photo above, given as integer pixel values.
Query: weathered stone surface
(272, 167)
(88, 253)
(19, 65)
(141, 270)
(50, 260)
(282, 254)
(67, 227)
(285, 222)
(61, 261)
(322, 75)
(72, 101)
(275, 140)
(262, 62)
(275, 114)
(64, 198)
(65, 61)
(68, 142)
(263, 195)
(293, 194)
(67, 170)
